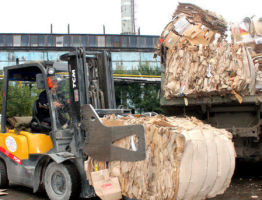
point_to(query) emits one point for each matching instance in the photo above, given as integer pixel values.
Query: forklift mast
(91, 83)
(91, 79)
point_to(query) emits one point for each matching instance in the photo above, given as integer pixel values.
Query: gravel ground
(246, 184)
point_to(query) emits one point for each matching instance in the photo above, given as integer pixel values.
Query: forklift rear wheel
(3, 175)
(61, 181)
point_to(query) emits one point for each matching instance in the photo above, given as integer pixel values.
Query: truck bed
(212, 100)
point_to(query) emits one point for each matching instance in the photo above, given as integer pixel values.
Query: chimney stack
(128, 17)
(68, 28)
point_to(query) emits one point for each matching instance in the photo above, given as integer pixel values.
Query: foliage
(140, 97)
(1, 93)
(144, 69)
(21, 98)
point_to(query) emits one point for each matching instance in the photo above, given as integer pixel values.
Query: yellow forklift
(50, 154)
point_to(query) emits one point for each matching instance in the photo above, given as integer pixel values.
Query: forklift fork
(100, 138)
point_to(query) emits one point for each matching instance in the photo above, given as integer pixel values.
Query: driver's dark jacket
(43, 111)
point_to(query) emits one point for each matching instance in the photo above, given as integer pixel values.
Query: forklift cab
(83, 78)
(22, 86)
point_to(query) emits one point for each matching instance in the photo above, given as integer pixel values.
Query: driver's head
(55, 83)
(52, 83)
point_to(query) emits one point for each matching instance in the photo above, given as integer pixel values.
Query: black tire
(3, 175)
(61, 181)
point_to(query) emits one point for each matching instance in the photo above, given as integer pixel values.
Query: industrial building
(128, 51)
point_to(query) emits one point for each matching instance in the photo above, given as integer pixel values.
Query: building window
(101, 41)
(149, 42)
(147, 56)
(25, 40)
(33, 41)
(84, 41)
(92, 41)
(41, 40)
(141, 42)
(2, 40)
(9, 40)
(109, 41)
(55, 55)
(124, 41)
(51, 41)
(67, 41)
(76, 42)
(133, 41)
(116, 41)
(17, 40)
(59, 41)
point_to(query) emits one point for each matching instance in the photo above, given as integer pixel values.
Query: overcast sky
(88, 16)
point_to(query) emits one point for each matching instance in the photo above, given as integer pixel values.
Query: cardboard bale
(202, 62)
(185, 159)
(208, 71)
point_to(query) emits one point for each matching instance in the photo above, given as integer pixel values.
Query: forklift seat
(19, 123)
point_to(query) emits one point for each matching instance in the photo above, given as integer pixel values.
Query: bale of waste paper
(199, 61)
(208, 71)
(185, 159)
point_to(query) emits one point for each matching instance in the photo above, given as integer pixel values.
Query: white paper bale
(207, 165)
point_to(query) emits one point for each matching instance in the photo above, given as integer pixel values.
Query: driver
(59, 103)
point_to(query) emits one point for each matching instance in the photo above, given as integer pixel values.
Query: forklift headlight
(51, 71)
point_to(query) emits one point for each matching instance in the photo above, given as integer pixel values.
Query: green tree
(1, 93)
(140, 97)
(21, 98)
(143, 69)
(146, 69)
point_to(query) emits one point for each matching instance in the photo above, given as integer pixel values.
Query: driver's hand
(45, 106)
(57, 104)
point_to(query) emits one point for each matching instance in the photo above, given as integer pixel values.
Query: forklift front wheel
(3, 175)
(61, 181)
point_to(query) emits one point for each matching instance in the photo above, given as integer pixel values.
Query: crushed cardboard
(199, 61)
(197, 15)
(106, 187)
(207, 71)
(185, 159)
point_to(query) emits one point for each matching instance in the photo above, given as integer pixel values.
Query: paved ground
(246, 185)
(23, 193)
